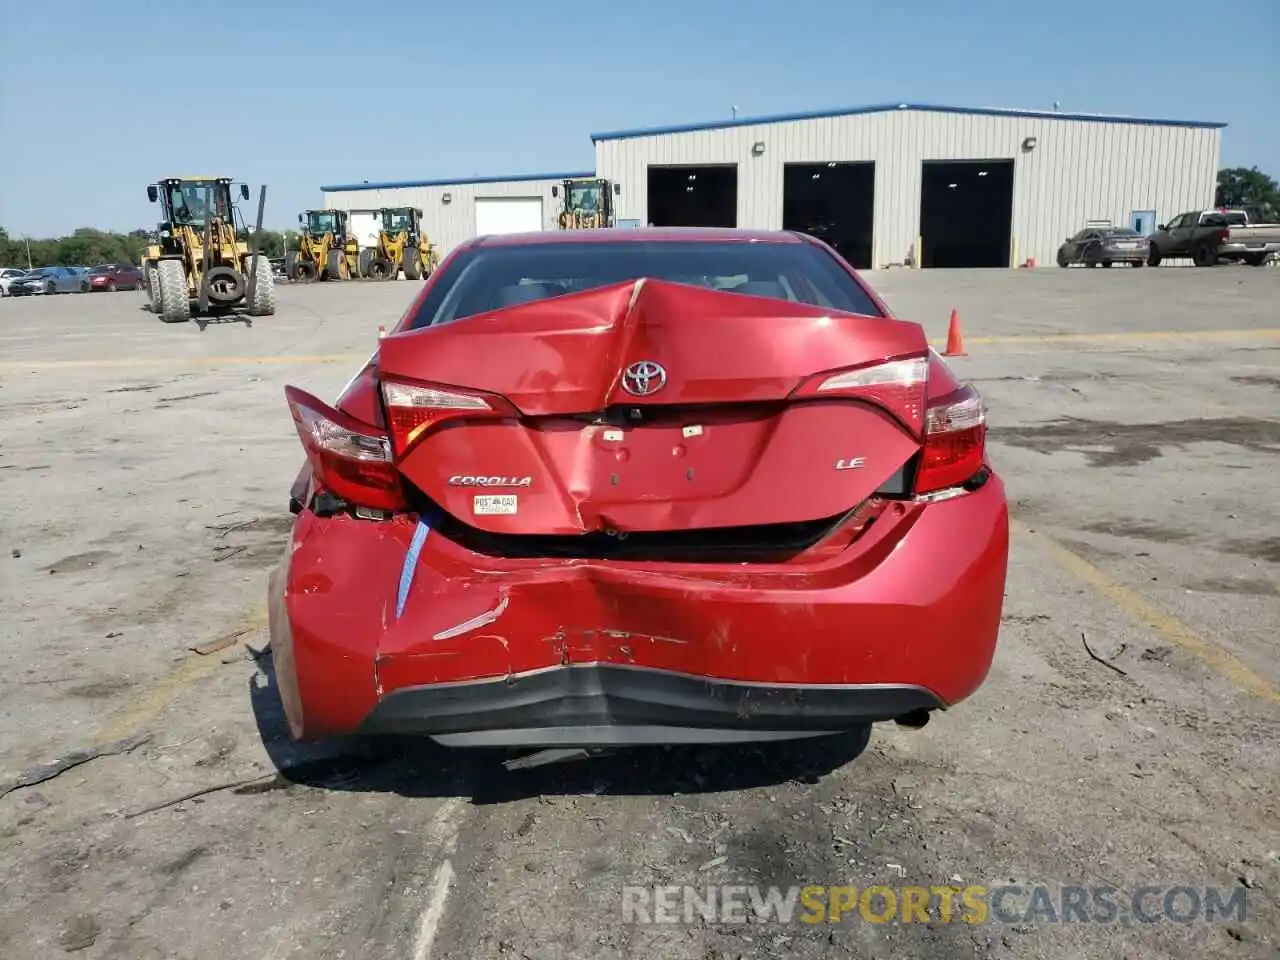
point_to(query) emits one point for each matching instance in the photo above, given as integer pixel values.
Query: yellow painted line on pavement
(127, 362)
(1122, 336)
(134, 717)
(1126, 336)
(1144, 611)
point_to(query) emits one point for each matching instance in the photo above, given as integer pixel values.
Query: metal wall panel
(448, 224)
(1079, 170)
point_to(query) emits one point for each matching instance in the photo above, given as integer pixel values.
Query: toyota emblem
(644, 378)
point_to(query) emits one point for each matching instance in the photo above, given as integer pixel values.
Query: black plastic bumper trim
(592, 695)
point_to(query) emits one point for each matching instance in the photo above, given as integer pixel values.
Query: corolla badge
(469, 480)
(644, 378)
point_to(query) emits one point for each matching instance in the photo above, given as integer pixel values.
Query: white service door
(508, 215)
(365, 227)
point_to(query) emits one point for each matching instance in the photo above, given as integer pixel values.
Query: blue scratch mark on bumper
(410, 565)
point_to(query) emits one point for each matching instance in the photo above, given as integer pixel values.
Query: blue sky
(102, 99)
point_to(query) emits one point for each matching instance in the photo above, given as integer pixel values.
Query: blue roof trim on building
(886, 107)
(457, 181)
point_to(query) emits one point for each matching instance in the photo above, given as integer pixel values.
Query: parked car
(1207, 236)
(554, 508)
(50, 280)
(115, 276)
(7, 276)
(1103, 246)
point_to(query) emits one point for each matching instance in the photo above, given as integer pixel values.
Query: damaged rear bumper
(619, 704)
(476, 649)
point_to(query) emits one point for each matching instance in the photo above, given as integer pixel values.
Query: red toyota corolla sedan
(640, 486)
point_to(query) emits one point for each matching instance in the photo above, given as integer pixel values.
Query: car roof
(643, 234)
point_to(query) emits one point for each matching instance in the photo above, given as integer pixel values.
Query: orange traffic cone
(955, 339)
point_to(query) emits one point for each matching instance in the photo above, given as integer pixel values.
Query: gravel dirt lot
(145, 475)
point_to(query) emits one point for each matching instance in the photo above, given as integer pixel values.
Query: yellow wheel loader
(203, 255)
(402, 247)
(326, 249)
(586, 204)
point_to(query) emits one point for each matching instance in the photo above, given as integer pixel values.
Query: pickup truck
(1207, 236)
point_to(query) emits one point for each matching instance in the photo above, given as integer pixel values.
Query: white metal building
(894, 183)
(457, 210)
(1066, 169)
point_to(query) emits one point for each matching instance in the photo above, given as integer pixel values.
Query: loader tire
(263, 302)
(305, 271)
(380, 268)
(333, 269)
(290, 264)
(411, 264)
(173, 302)
(363, 261)
(153, 287)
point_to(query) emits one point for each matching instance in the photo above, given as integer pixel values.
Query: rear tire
(364, 260)
(333, 269)
(411, 263)
(290, 264)
(174, 303)
(1256, 259)
(1137, 263)
(263, 303)
(380, 268)
(1153, 256)
(111, 287)
(1106, 263)
(152, 275)
(1204, 256)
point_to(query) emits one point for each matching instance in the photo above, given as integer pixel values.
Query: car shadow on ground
(418, 767)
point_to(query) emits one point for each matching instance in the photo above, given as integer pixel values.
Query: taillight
(414, 408)
(349, 459)
(955, 436)
(897, 385)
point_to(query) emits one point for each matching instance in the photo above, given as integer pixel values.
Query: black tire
(305, 271)
(364, 260)
(380, 268)
(333, 268)
(1137, 263)
(290, 263)
(84, 286)
(152, 274)
(174, 299)
(1256, 259)
(411, 263)
(111, 286)
(263, 301)
(1153, 256)
(1204, 255)
(49, 287)
(1062, 260)
(1106, 263)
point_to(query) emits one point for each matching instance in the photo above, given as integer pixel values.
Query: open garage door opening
(966, 213)
(834, 202)
(693, 196)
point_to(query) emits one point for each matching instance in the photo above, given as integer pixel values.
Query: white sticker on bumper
(492, 504)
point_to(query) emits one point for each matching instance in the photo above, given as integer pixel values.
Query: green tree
(1248, 187)
(88, 246)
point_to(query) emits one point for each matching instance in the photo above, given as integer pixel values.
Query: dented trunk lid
(712, 440)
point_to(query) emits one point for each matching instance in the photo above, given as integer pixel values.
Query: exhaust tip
(915, 720)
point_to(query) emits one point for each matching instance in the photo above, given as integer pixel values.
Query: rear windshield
(103, 268)
(1121, 232)
(489, 278)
